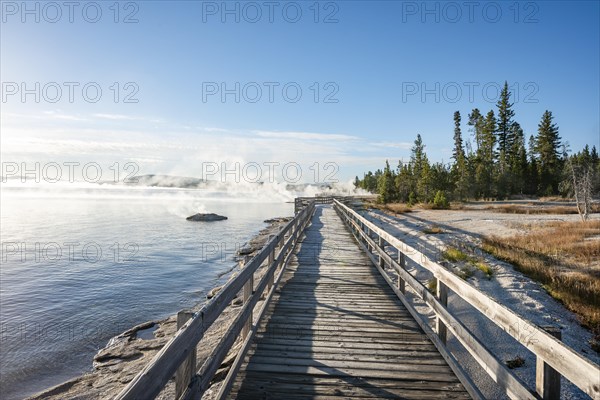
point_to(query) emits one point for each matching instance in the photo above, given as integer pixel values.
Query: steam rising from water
(179, 201)
(175, 188)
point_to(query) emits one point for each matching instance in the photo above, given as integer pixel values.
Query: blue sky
(371, 62)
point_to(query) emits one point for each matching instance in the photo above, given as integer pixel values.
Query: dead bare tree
(581, 187)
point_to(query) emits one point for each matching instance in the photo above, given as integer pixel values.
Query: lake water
(81, 265)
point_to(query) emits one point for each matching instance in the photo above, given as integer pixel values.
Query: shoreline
(117, 363)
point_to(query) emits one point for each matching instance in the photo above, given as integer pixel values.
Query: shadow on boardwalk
(336, 329)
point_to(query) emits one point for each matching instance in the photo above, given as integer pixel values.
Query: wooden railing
(177, 357)
(554, 359)
(301, 202)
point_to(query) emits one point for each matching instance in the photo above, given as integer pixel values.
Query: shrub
(412, 199)
(440, 202)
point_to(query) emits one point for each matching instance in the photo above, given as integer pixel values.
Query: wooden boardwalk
(336, 329)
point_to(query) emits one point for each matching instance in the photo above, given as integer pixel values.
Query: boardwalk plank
(335, 329)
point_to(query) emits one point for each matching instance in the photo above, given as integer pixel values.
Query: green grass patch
(466, 272)
(455, 255)
(485, 268)
(472, 264)
(432, 285)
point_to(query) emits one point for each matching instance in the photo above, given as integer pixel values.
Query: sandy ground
(486, 222)
(507, 286)
(126, 354)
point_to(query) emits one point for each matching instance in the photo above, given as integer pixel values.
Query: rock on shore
(257, 243)
(206, 217)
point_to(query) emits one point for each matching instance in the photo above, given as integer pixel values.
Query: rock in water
(206, 217)
(213, 292)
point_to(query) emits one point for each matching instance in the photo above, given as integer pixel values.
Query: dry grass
(425, 206)
(562, 240)
(531, 209)
(433, 230)
(554, 199)
(396, 208)
(458, 206)
(558, 255)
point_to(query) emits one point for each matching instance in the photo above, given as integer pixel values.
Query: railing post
(247, 292)
(271, 274)
(187, 369)
(295, 231)
(381, 246)
(280, 244)
(402, 262)
(442, 295)
(547, 379)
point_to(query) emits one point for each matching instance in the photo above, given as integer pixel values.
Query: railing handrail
(299, 202)
(154, 376)
(576, 368)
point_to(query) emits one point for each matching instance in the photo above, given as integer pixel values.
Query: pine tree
(404, 180)
(533, 173)
(420, 169)
(476, 121)
(518, 160)
(547, 147)
(424, 184)
(596, 169)
(459, 152)
(459, 169)
(417, 156)
(441, 177)
(369, 182)
(385, 185)
(505, 116)
(471, 161)
(484, 173)
(439, 201)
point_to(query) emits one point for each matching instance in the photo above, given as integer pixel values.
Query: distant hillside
(167, 181)
(186, 182)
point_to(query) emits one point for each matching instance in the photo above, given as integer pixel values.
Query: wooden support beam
(442, 295)
(547, 379)
(187, 369)
(271, 259)
(381, 246)
(402, 262)
(247, 292)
